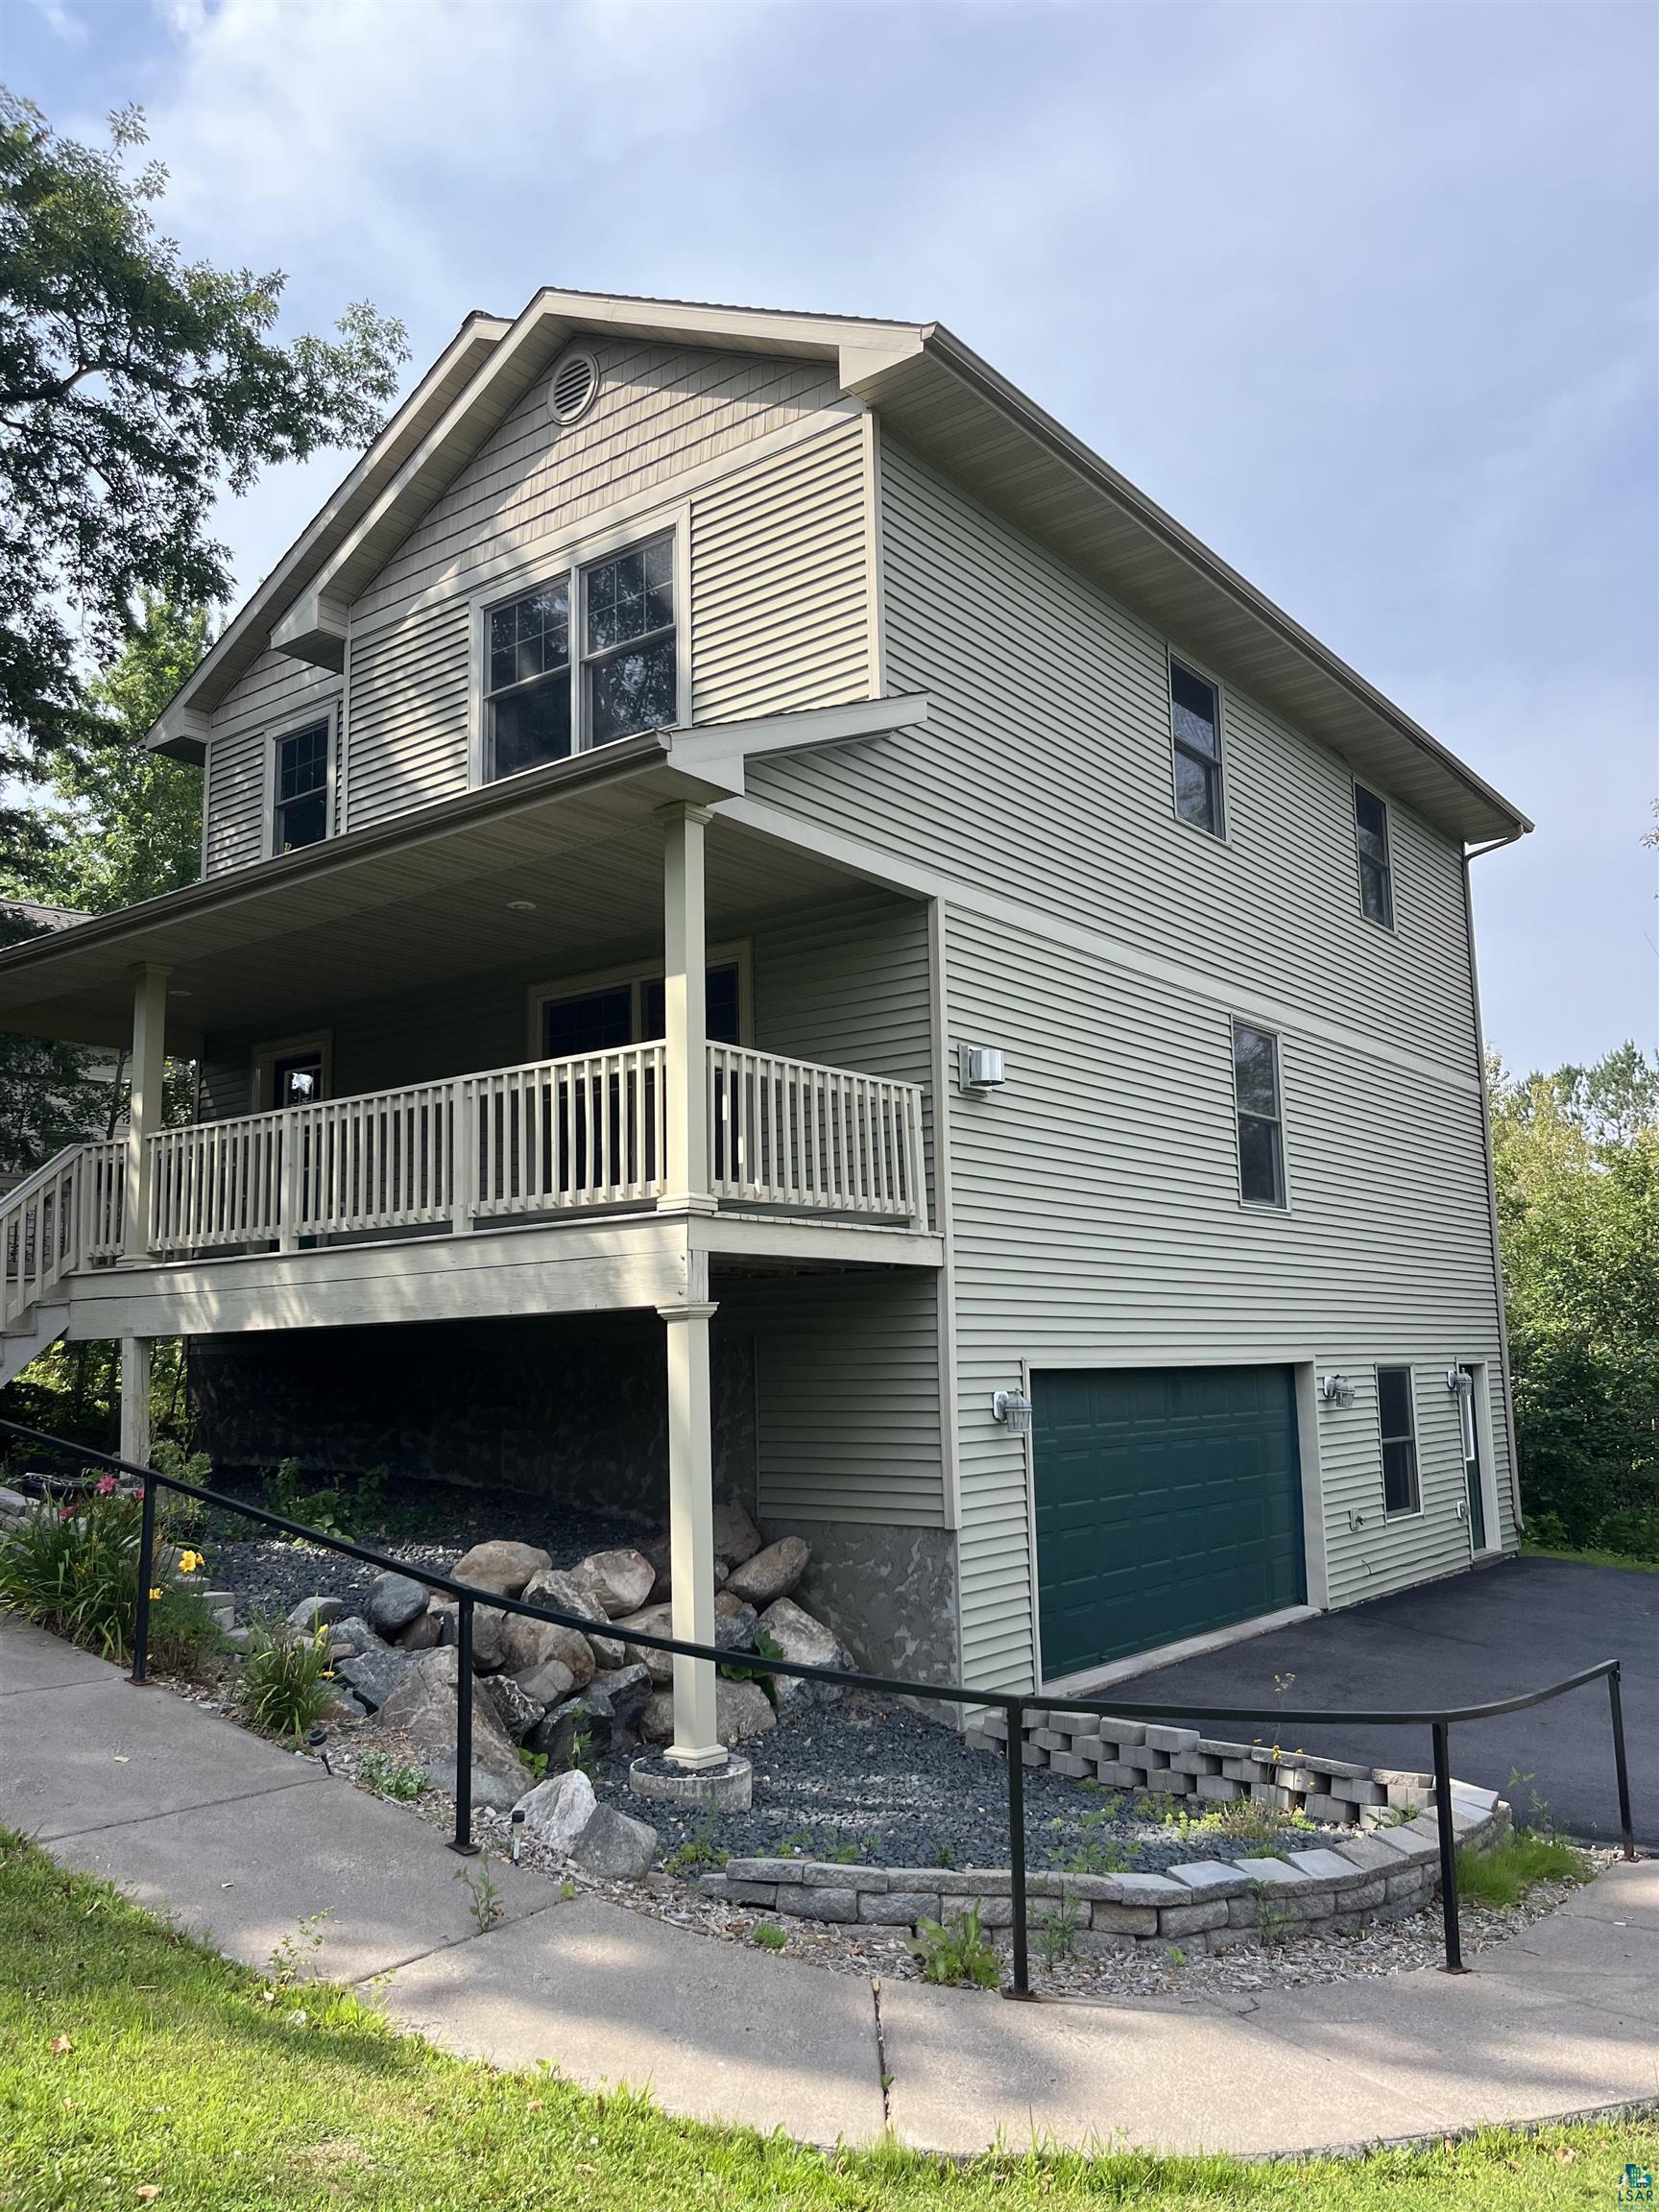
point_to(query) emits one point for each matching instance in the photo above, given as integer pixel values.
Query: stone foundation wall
(1209, 1905)
(889, 1593)
(552, 1406)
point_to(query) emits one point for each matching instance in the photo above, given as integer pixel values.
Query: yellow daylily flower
(189, 1561)
(155, 1597)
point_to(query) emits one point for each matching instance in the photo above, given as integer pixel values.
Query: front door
(1473, 1473)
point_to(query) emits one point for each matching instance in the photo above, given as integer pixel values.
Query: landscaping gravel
(872, 1780)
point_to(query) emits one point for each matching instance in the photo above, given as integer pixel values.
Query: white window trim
(739, 954)
(568, 559)
(1259, 1209)
(325, 710)
(1222, 835)
(266, 1055)
(1390, 926)
(1407, 1368)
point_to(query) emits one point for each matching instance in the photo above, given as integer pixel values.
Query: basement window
(1402, 1492)
(542, 700)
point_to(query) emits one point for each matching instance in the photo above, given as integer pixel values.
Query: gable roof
(942, 398)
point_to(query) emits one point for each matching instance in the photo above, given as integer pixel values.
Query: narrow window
(302, 809)
(1195, 711)
(1376, 874)
(1400, 1488)
(527, 704)
(629, 657)
(1260, 1124)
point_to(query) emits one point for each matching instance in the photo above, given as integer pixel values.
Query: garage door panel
(1169, 1503)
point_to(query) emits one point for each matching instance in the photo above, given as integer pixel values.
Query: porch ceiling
(427, 898)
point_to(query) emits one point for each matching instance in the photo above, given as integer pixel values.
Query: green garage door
(1169, 1503)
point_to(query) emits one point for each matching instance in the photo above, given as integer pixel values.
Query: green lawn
(136, 2068)
(1531, 1550)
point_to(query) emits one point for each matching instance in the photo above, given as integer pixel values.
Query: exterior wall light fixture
(980, 1069)
(1013, 1408)
(1458, 1381)
(1337, 1389)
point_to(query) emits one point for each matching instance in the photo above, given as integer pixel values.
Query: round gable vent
(574, 383)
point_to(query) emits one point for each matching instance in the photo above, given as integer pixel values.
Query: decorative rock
(422, 1708)
(375, 1673)
(500, 1566)
(654, 1620)
(798, 1636)
(735, 1537)
(557, 1810)
(614, 1846)
(619, 1695)
(735, 1623)
(620, 1580)
(424, 1634)
(498, 1791)
(314, 1612)
(350, 1635)
(394, 1603)
(741, 1709)
(563, 1593)
(516, 1711)
(489, 1635)
(657, 1720)
(772, 1573)
(531, 1643)
(658, 1552)
(548, 1684)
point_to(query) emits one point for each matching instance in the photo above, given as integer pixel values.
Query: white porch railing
(820, 1139)
(39, 1233)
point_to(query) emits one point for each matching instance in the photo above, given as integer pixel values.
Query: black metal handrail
(1013, 1704)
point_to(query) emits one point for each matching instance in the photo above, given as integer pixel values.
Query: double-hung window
(299, 808)
(1376, 871)
(1261, 1120)
(544, 700)
(1401, 1493)
(1195, 724)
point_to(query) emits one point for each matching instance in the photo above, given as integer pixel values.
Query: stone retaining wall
(1143, 1756)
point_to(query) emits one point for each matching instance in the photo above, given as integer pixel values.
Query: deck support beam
(147, 1066)
(686, 1182)
(135, 1367)
(691, 1532)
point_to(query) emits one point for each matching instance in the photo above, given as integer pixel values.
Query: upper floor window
(1376, 872)
(299, 811)
(1195, 719)
(1261, 1120)
(542, 701)
(1401, 1491)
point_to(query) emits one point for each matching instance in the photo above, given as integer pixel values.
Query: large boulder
(531, 1643)
(660, 1551)
(557, 1810)
(314, 1612)
(735, 1623)
(375, 1673)
(501, 1566)
(652, 1621)
(490, 1625)
(423, 1708)
(394, 1603)
(772, 1573)
(614, 1846)
(657, 1718)
(735, 1537)
(604, 1717)
(570, 1591)
(620, 1580)
(548, 1684)
(424, 1633)
(617, 1698)
(516, 1711)
(801, 1637)
(741, 1710)
(349, 1633)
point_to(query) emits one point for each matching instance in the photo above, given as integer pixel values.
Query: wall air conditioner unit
(981, 1070)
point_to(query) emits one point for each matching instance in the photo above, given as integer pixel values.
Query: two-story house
(769, 924)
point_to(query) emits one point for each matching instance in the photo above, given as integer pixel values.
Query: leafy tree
(1576, 1160)
(135, 387)
(51, 1094)
(126, 824)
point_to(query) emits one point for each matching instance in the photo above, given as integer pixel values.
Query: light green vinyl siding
(275, 697)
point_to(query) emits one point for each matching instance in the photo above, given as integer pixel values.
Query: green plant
(319, 1509)
(698, 1851)
(389, 1777)
(956, 1952)
(944, 1855)
(74, 1569)
(1503, 1872)
(1096, 1854)
(768, 1647)
(568, 1890)
(1397, 1816)
(1538, 1815)
(286, 1686)
(293, 1953)
(584, 1751)
(482, 1896)
(1274, 1920)
(535, 1764)
(1175, 1955)
(769, 1936)
(1057, 1932)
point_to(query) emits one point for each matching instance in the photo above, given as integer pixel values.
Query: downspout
(1495, 845)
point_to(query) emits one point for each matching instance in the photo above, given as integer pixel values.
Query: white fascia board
(476, 337)
(717, 751)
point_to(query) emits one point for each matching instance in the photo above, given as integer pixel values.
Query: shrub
(956, 1952)
(74, 1569)
(287, 1687)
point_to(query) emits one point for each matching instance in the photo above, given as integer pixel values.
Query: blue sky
(1364, 294)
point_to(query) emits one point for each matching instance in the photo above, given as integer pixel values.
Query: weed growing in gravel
(1274, 1920)
(388, 1777)
(483, 1897)
(769, 1936)
(1503, 1874)
(1057, 1932)
(833, 1851)
(1096, 1854)
(942, 1856)
(697, 1852)
(954, 1952)
(287, 1685)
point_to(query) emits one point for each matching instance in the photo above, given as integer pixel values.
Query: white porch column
(136, 1358)
(684, 1013)
(691, 1532)
(144, 1108)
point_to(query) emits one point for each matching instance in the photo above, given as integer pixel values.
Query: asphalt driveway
(1495, 1633)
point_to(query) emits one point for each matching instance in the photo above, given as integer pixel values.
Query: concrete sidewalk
(240, 1841)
